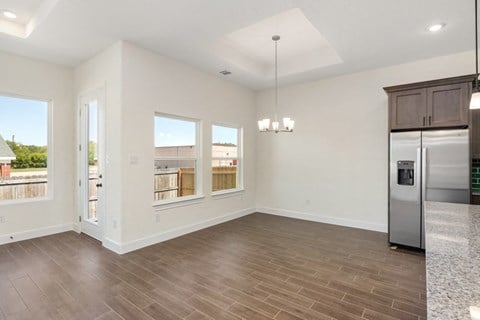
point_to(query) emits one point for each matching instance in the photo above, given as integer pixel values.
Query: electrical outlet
(2, 219)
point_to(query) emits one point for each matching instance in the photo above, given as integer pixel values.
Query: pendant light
(475, 101)
(264, 124)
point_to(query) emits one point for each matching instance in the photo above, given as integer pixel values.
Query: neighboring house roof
(5, 152)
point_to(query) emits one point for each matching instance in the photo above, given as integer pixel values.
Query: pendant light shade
(264, 124)
(475, 102)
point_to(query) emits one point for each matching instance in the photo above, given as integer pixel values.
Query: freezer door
(447, 166)
(405, 193)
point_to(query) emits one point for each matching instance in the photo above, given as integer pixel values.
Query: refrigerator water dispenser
(405, 173)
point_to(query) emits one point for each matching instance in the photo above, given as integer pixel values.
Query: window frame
(198, 181)
(50, 151)
(240, 166)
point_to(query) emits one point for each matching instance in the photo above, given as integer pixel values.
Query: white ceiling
(24, 9)
(301, 46)
(365, 34)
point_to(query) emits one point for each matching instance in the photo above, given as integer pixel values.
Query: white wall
(39, 80)
(137, 83)
(104, 71)
(153, 83)
(333, 168)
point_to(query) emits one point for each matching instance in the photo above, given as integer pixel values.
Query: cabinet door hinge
(79, 218)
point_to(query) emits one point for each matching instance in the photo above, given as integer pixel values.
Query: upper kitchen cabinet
(408, 109)
(448, 105)
(431, 104)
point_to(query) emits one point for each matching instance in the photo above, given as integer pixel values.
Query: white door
(91, 164)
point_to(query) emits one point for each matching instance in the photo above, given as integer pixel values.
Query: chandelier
(264, 124)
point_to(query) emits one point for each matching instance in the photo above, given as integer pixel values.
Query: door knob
(99, 185)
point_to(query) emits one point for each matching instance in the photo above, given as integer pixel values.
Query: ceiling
(24, 9)
(301, 45)
(363, 34)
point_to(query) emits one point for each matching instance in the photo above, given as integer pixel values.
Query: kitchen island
(452, 234)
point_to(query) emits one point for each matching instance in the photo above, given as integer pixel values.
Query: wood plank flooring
(257, 267)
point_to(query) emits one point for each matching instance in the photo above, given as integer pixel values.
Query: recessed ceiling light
(436, 27)
(9, 14)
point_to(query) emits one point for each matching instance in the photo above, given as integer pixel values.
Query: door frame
(96, 231)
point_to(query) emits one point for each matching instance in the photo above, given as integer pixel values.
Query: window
(226, 158)
(24, 161)
(176, 165)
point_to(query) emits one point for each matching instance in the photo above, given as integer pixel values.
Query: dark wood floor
(256, 267)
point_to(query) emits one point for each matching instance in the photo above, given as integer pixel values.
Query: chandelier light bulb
(260, 125)
(275, 125)
(266, 124)
(291, 125)
(288, 124)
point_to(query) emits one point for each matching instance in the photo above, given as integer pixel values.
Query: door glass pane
(92, 161)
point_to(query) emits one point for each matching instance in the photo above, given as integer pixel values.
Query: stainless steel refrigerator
(425, 165)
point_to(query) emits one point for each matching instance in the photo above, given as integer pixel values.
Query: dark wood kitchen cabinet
(408, 109)
(431, 104)
(448, 105)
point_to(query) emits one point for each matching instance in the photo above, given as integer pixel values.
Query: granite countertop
(452, 241)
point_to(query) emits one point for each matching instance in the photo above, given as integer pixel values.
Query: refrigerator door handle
(424, 196)
(424, 174)
(417, 178)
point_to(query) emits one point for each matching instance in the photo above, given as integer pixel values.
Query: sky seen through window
(25, 119)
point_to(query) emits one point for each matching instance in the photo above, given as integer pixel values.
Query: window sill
(177, 202)
(227, 193)
(24, 201)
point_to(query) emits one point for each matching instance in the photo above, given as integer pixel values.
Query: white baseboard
(174, 233)
(112, 245)
(122, 248)
(35, 233)
(77, 228)
(326, 219)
